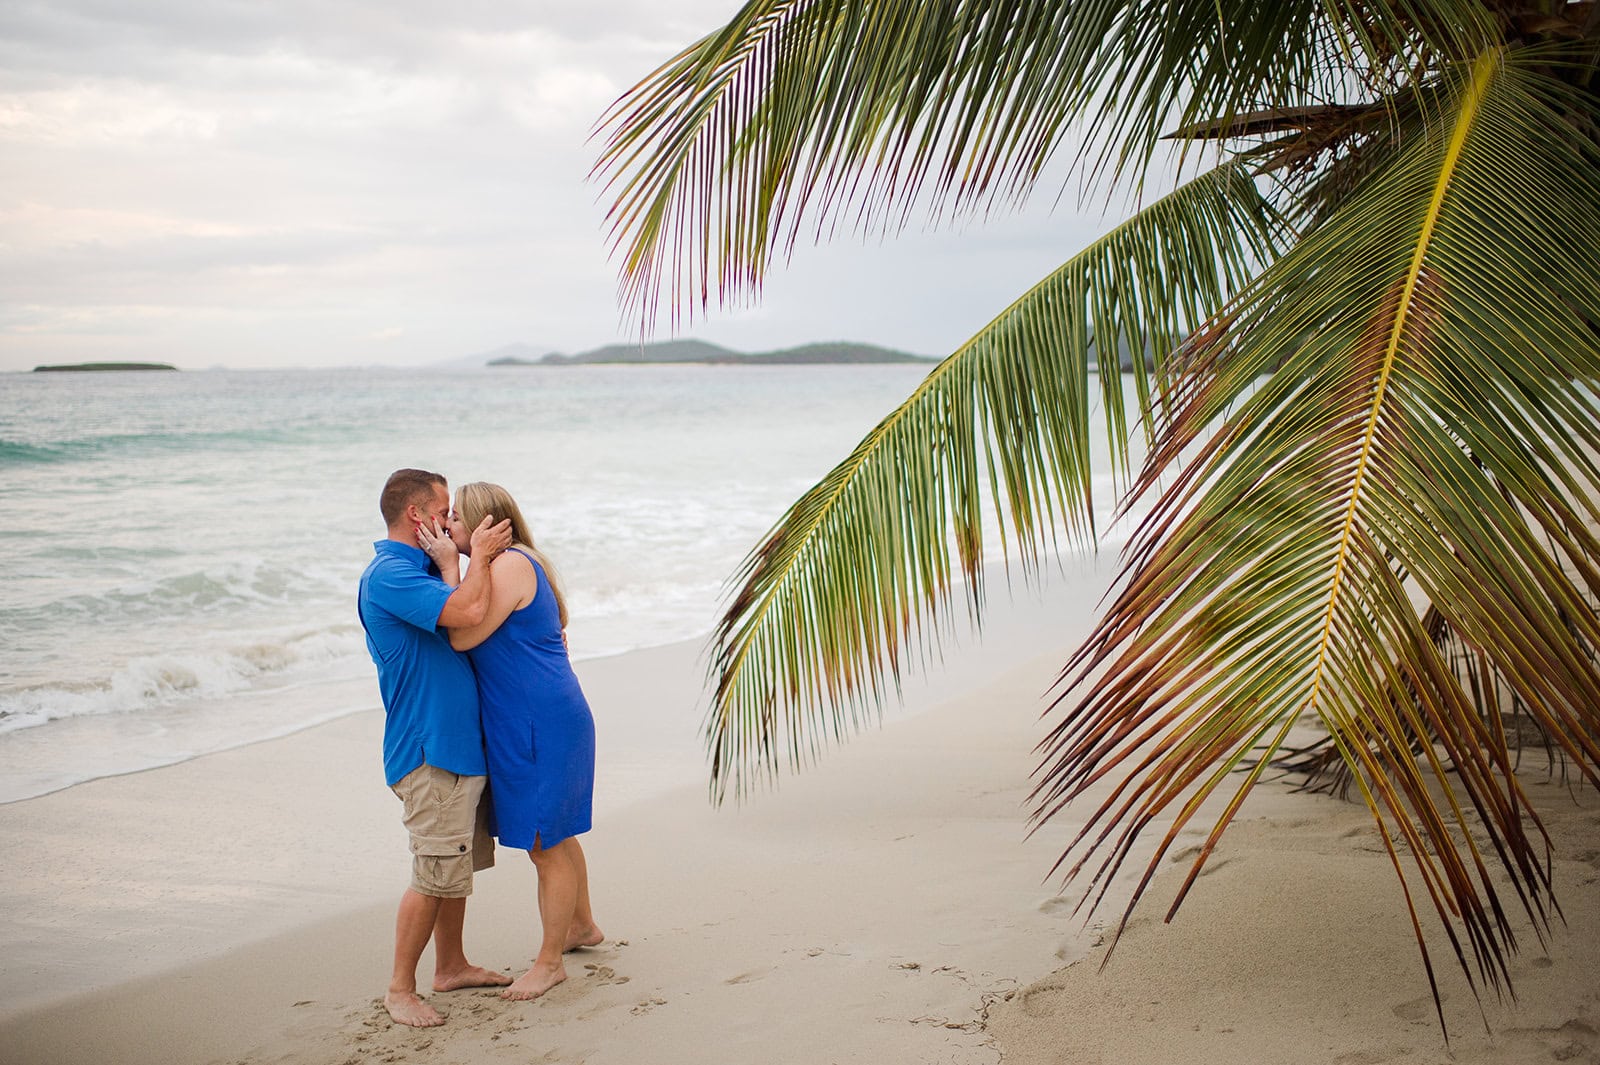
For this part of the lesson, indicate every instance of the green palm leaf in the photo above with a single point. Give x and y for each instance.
(864, 110)
(1407, 416)
(827, 603)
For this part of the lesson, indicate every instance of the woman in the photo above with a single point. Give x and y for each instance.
(537, 727)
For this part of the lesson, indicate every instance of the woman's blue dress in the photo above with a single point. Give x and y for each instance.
(537, 728)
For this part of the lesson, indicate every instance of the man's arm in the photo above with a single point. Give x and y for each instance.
(469, 603)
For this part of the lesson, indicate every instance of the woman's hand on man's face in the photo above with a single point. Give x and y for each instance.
(437, 543)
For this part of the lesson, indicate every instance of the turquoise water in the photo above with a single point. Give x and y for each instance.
(181, 550)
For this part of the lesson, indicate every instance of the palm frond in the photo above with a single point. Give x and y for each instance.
(863, 110)
(1400, 413)
(1320, 767)
(828, 603)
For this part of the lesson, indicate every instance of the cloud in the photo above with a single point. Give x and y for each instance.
(261, 183)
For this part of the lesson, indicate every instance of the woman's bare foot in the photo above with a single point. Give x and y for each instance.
(469, 976)
(535, 982)
(585, 937)
(406, 1008)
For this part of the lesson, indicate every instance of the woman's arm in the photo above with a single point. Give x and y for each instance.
(513, 584)
(469, 603)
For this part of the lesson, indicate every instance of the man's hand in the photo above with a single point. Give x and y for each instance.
(488, 541)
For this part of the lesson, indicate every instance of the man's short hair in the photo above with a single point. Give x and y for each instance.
(405, 487)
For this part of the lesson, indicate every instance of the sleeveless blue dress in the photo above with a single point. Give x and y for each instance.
(538, 732)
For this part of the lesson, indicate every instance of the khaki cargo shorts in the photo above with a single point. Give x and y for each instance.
(449, 825)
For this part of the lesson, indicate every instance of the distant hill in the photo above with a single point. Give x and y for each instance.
(103, 367)
(703, 353)
(660, 351)
(835, 352)
(518, 354)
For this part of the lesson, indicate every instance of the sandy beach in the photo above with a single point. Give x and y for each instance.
(885, 906)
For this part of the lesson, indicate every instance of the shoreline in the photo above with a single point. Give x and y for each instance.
(199, 726)
(372, 704)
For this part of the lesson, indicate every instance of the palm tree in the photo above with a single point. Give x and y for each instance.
(1364, 330)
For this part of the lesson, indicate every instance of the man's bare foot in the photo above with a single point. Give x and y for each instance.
(535, 982)
(469, 976)
(406, 1008)
(585, 937)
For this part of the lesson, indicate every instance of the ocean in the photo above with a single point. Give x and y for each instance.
(182, 549)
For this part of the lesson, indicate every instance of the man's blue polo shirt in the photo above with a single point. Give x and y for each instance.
(430, 695)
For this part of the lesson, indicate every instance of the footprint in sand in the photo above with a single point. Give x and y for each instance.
(1189, 854)
(1055, 904)
(1361, 1057)
(482, 1004)
(746, 977)
(1570, 1042)
(604, 974)
(1417, 1011)
(646, 1006)
(1040, 1000)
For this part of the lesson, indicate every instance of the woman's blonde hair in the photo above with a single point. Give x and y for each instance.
(480, 498)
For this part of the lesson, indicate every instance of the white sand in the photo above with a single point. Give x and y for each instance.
(882, 907)
(1295, 947)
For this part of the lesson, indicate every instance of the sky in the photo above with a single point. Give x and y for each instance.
(230, 183)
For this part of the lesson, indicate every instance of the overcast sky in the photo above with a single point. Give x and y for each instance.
(346, 182)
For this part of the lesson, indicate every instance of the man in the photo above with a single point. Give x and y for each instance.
(432, 738)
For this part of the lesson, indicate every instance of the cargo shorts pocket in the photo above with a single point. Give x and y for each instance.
(441, 866)
(442, 846)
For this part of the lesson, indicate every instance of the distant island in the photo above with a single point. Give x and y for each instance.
(103, 367)
(701, 353)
